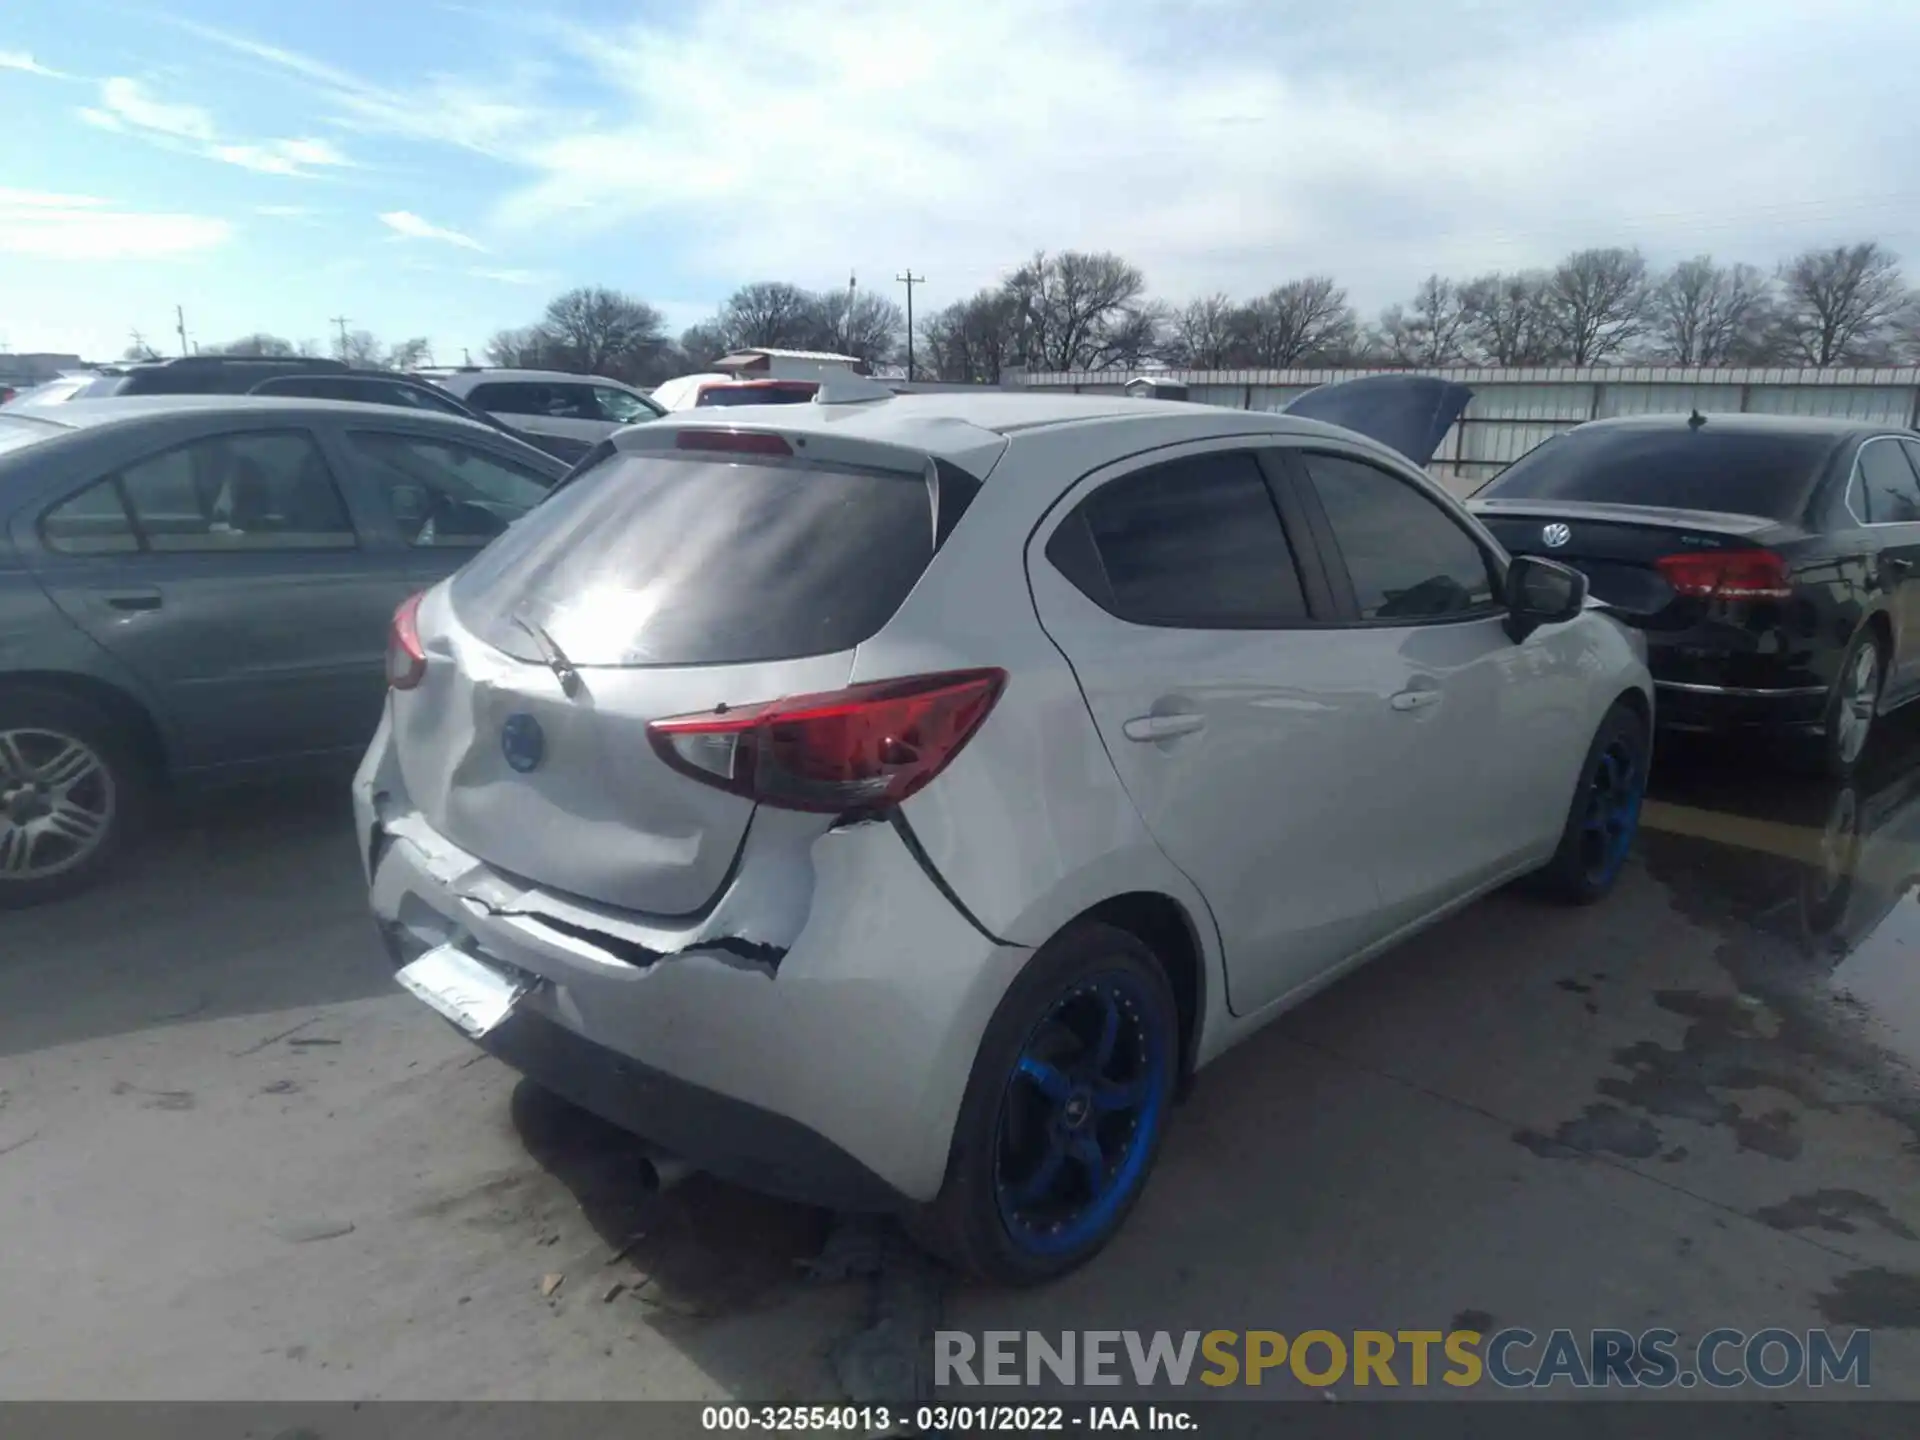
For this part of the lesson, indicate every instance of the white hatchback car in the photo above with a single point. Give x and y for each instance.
(889, 804)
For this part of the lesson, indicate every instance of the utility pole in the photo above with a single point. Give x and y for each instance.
(466, 356)
(341, 321)
(909, 279)
(180, 324)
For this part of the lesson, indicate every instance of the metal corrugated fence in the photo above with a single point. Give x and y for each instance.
(1514, 410)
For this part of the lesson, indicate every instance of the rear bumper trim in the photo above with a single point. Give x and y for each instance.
(1744, 692)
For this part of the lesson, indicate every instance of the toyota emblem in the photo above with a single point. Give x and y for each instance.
(1556, 535)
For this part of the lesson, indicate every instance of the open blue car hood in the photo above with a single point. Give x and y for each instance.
(1408, 413)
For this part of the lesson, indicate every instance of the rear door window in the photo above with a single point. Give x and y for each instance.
(1884, 489)
(1740, 472)
(94, 522)
(659, 560)
(1193, 544)
(260, 490)
(509, 398)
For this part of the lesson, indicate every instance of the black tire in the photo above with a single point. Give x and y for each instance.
(1604, 815)
(977, 1223)
(44, 736)
(1847, 727)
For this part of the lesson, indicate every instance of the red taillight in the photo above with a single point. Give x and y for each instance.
(406, 657)
(741, 442)
(1728, 574)
(860, 748)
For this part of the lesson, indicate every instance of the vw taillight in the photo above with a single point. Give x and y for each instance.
(1728, 574)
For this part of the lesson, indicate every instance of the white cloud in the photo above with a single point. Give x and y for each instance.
(85, 227)
(126, 107)
(1218, 145)
(22, 61)
(285, 212)
(407, 225)
(512, 277)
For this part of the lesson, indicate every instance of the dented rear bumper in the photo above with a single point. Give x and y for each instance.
(810, 1035)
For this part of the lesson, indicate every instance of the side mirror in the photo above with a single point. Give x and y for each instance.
(1541, 592)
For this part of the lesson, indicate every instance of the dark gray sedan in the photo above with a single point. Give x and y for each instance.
(197, 589)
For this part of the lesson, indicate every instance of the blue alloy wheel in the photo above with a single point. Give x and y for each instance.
(1080, 1112)
(1612, 810)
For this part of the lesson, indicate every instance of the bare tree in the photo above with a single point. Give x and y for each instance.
(771, 313)
(703, 344)
(361, 349)
(1431, 331)
(1074, 306)
(140, 351)
(593, 330)
(524, 348)
(1505, 318)
(1596, 301)
(410, 354)
(1839, 306)
(1706, 314)
(258, 344)
(1303, 322)
(973, 340)
(1207, 334)
(869, 329)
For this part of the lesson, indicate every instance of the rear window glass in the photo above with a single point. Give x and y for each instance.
(1738, 472)
(756, 394)
(650, 560)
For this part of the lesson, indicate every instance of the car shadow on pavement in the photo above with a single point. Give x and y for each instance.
(696, 1250)
(240, 902)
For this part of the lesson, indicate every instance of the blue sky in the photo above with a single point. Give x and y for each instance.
(442, 167)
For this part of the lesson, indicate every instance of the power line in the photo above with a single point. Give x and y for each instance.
(909, 279)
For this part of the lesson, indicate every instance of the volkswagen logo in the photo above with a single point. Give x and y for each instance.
(1556, 535)
(523, 743)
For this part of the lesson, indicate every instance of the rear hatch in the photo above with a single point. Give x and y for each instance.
(1643, 511)
(669, 582)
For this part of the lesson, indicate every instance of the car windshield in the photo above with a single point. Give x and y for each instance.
(1740, 472)
(649, 560)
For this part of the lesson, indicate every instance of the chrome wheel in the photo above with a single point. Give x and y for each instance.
(1859, 697)
(58, 803)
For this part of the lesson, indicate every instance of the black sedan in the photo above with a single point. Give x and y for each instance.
(1769, 560)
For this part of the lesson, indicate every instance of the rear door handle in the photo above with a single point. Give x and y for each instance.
(1896, 564)
(1162, 727)
(1416, 699)
(142, 599)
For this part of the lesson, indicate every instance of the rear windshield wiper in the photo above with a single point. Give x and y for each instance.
(555, 657)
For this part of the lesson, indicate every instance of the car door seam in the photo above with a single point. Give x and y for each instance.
(904, 829)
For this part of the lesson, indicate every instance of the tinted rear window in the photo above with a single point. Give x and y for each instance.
(1737, 472)
(757, 395)
(649, 560)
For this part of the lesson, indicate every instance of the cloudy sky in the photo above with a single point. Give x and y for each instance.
(442, 168)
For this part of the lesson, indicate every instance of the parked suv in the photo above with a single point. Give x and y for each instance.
(569, 414)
